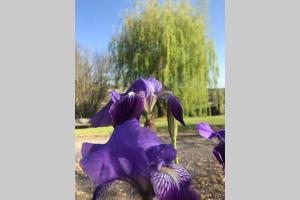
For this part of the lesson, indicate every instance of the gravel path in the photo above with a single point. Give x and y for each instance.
(195, 154)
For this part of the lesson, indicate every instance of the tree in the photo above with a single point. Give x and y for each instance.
(167, 41)
(91, 81)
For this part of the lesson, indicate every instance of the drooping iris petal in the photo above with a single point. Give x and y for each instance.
(102, 117)
(123, 156)
(219, 152)
(129, 155)
(128, 107)
(174, 105)
(172, 182)
(98, 163)
(204, 130)
(176, 108)
(221, 134)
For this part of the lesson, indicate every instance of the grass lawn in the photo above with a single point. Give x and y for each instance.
(161, 126)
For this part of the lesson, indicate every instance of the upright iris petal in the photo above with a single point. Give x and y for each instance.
(114, 96)
(135, 154)
(152, 90)
(149, 86)
(206, 131)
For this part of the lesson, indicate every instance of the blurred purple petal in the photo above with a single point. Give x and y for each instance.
(102, 117)
(219, 153)
(129, 106)
(122, 156)
(204, 130)
(129, 155)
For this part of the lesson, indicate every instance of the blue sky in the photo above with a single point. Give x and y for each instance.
(97, 20)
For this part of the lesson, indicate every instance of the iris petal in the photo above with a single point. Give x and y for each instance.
(156, 84)
(219, 153)
(129, 106)
(204, 130)
(149, 86)
(161, 155)
(99, 164)
(122, 157)
(173, 104)
(102, 117)
(172, 182)
(132, 154)
(114, 96)
(221, 134)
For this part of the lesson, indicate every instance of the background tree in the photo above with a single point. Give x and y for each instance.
(168, 41)
(92, 81)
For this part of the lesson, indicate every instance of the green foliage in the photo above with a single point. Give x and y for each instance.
(173, 130)
(168, 41)
(161, 124)
(217, 100)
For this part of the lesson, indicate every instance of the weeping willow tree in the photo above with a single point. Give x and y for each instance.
(167, 40)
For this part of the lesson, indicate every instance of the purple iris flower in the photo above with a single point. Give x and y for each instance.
(206, 131)
(125, 107)
(136, 155)
(152, 91)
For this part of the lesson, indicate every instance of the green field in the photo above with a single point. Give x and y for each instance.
(161, 126)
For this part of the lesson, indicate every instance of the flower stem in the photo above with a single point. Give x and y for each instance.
(150, 123)
(173, 130)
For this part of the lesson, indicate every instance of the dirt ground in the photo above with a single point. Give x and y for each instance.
(195, 154)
